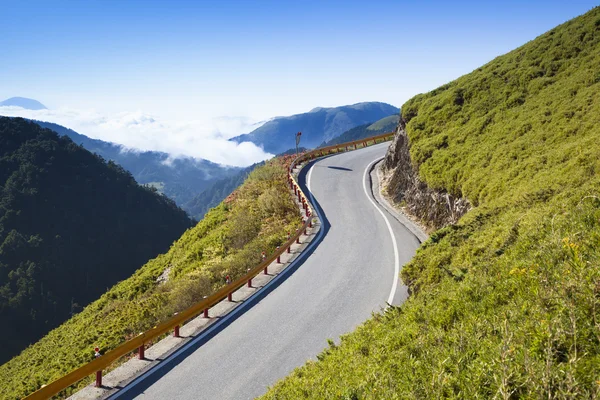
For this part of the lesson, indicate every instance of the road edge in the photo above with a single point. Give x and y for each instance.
(374, 175)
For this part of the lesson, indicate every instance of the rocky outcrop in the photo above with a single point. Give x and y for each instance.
(433, 208)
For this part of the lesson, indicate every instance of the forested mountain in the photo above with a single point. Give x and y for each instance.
(71, 225)
(180, 179)
(384, 125)
(505, 300)
(318, 125)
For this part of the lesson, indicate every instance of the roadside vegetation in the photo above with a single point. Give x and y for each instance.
(254, 218)
(505, 303)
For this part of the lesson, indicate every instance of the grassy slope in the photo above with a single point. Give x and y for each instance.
(507, 302)
(229, 240)
(385, 123)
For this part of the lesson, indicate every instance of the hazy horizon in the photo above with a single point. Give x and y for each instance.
(186, 76)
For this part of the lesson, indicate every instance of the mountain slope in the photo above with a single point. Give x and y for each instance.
(71, 225)
(180, 179)
(317, 126)
(228, 241)
(506, 300)
(384, 125)
(215, 193)
(23, 102)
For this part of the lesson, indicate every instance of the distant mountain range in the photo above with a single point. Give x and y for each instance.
(180, 179)
(317, 126)
(196, 185)
(23, 102)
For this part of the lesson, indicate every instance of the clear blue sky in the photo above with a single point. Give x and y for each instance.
(258, 59)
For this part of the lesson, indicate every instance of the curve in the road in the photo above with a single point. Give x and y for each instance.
(390, 230)
(341, 282)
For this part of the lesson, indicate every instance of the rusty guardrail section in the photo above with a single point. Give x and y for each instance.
(138, 343)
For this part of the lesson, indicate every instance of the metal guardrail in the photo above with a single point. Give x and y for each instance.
(336, 148)
(138, 343)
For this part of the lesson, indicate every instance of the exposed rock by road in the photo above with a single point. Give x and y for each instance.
(433, 208)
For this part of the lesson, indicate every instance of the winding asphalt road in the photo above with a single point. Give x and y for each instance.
(349, 274)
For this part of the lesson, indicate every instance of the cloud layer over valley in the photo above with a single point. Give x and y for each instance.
(206, 139)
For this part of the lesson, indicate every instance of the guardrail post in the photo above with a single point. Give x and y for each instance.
(250, 282)
(176, 331)
(141, 352)
(99, 378)
(229, 296)
(206, 313)
(309, 221)
(354, 146)
(298, 238)
(279, 256)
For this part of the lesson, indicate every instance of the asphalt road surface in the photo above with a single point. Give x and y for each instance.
(350, 273)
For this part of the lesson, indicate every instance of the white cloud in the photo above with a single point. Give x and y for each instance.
(206, 139)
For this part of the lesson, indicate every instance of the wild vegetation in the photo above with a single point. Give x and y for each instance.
(71, 225)
(228, 241)
(506, 302)
(216, 192)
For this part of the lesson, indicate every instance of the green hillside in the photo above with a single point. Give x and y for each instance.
(506, 303)
(71, 225)
(229, 240)
(216, 192)
(384, 125)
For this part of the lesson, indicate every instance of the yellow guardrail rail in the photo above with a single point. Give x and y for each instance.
(101, 363)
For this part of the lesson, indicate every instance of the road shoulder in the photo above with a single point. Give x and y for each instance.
(376, 179)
